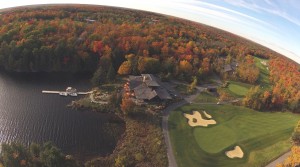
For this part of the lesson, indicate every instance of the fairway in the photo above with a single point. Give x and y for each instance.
(238, 89)
(264, 75)
(261, 136)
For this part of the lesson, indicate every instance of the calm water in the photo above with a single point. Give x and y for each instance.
(27, 115)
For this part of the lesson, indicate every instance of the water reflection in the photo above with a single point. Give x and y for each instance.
(27, 115)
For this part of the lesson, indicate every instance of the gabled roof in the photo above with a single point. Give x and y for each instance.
(163, 94)
(146, 87)
(227, 68)
(151, 83)
(150, 80)
(134, 81)
(144, 92)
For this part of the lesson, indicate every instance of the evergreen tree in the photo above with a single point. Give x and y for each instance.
(97, 77)
(111, 73)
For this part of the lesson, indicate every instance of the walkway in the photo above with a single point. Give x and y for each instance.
(279, 160)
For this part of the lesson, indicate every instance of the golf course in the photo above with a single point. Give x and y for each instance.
(262, 136)
(238, 89)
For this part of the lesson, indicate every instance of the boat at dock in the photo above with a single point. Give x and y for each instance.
(63, 93)
(69, 92)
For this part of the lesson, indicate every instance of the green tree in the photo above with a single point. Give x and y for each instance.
(111, 73)
(15, 155)
(148, 65)
(97, 77)
(35, 149)
(52, 156)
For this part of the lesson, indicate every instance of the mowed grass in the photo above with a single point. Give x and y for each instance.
(238, 89)
(205, 97)
(262, 136)
(264, 74)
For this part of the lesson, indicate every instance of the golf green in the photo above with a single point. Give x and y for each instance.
(221, 137)
(262, 136)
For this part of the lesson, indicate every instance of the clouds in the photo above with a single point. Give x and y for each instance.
(288, 9)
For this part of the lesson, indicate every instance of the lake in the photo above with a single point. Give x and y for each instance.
(27, 115)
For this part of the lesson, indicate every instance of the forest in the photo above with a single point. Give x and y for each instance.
(110, 41)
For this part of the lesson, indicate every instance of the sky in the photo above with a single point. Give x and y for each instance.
(272, 23)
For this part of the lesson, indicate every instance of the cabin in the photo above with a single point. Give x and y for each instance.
(230, 68)
(146, 87)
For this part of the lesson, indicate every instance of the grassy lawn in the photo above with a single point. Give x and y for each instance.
(183, 89)
(264, 75)
(262, 136)
(205, 97)
(238, 89)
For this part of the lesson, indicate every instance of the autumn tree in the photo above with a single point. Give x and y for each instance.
(125, 68)
(193, 85)
(127, 105)
(293, 159)
(296, 135)
(185, 67)
(253, 98)
(148, 65)
(205, 66)
(247, 70)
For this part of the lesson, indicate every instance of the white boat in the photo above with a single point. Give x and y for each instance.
(73, 94)
(63, 93)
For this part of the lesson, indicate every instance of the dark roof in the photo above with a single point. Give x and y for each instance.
(144, 92)
(134, 81)
(163, 94)
(151, 83)
(234, 65)
(146, 87)
(150, 79)
(227, 68)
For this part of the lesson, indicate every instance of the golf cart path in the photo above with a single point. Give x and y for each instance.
(279, 160)
(166, 112)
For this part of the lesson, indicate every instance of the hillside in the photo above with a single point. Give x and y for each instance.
(110, 40)
(73, 38)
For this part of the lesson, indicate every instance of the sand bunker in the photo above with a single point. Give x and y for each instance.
(235, 153)
(207, 115)
(196, 119)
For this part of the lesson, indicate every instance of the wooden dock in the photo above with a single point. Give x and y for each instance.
(64, 92)
(53, 92)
